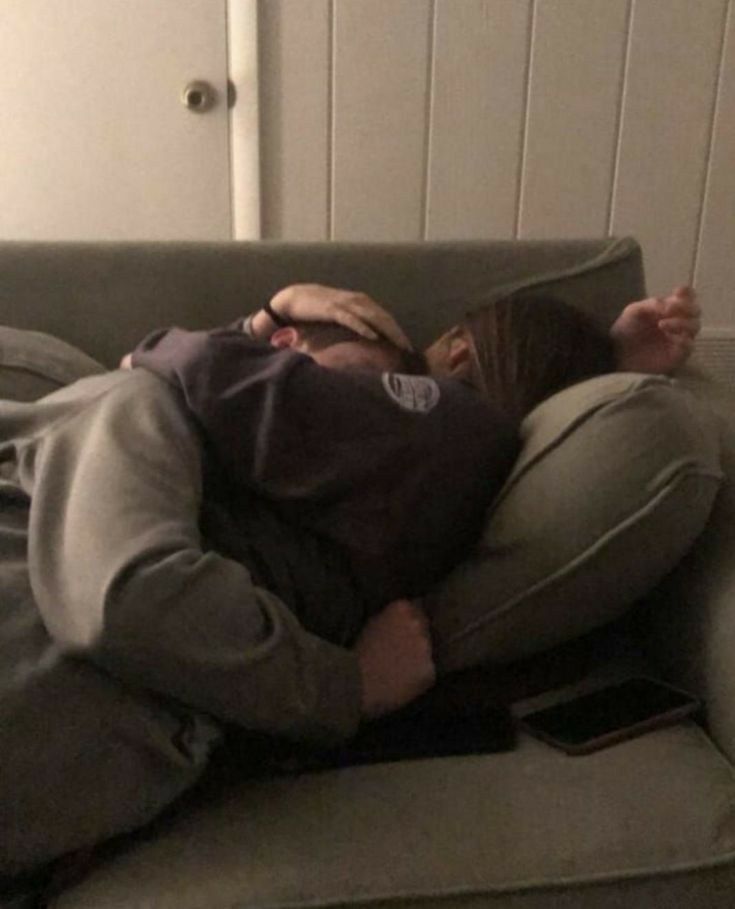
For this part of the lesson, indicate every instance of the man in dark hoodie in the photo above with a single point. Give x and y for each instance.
(321, 437)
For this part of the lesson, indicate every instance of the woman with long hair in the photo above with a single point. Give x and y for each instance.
(521, 349)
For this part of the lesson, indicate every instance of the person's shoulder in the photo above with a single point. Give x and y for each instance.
(225, 348)
(138, 387)
(414, 393)
(443, 399)
(114, 406)
(467, 409)
(458, 395)
(142, 408)
(136, 397)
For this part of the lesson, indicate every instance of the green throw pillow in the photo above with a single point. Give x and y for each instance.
(616, 479)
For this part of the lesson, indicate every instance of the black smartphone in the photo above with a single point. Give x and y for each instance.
(609, 715)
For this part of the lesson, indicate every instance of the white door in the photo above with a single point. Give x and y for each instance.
(95, 141)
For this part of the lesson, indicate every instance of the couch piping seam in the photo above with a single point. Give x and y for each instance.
(526, 886)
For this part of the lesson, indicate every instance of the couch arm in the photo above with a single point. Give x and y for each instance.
(689, 627)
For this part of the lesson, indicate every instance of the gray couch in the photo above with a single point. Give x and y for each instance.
(650, 822)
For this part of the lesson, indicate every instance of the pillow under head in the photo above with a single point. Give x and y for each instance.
(616, 479)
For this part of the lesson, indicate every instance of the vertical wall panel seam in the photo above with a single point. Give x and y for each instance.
(714, 119)
(331, 92)
(621, 117)
(243, 119)
(526, 112)
(230, 155)
(428, 119)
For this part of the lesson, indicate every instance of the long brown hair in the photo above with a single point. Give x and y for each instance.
(529, 346)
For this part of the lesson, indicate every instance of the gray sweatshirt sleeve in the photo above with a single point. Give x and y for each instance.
(120, 576)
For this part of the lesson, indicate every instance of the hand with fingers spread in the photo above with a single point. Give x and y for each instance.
(319, 303)
(657, 334)
(394, 653)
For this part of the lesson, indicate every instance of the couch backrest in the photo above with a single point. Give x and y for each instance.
(103, 297)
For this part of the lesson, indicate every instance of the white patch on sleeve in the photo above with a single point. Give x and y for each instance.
(416, 393)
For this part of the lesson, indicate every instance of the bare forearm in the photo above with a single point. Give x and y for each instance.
(318, 303)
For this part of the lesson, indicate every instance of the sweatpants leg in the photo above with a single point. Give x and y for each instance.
(84, 759)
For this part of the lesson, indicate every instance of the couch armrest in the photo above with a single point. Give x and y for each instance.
(689, 623)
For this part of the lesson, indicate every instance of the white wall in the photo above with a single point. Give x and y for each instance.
(444, 119)
(95, 142)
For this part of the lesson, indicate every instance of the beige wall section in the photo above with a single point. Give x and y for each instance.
(667, 119)
(573, 102)
(381, 64)
(294, 54)
(715, 269)
(410, 119)
(244, 118)
(483, 133)
(96, 144)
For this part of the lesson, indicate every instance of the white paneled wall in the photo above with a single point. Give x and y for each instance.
(380, 89)
(668, 103)
(476, 120)
(714, 272)
(462, 119)
(295, 139)
(574, 89)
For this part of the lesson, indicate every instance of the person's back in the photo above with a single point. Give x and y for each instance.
(336, 482)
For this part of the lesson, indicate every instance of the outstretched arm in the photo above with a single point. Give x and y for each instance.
(319, 303)
(657, 334)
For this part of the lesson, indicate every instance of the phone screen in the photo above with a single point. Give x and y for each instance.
(607, 710)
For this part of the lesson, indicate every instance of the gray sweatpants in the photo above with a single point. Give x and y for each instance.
(84, 757)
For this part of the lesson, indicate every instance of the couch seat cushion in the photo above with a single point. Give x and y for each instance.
(448, 831)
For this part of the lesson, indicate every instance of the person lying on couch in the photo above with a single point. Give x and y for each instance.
(328, 449)
(122, 603)
(386, 527)
(230, 383)
(130, 633)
